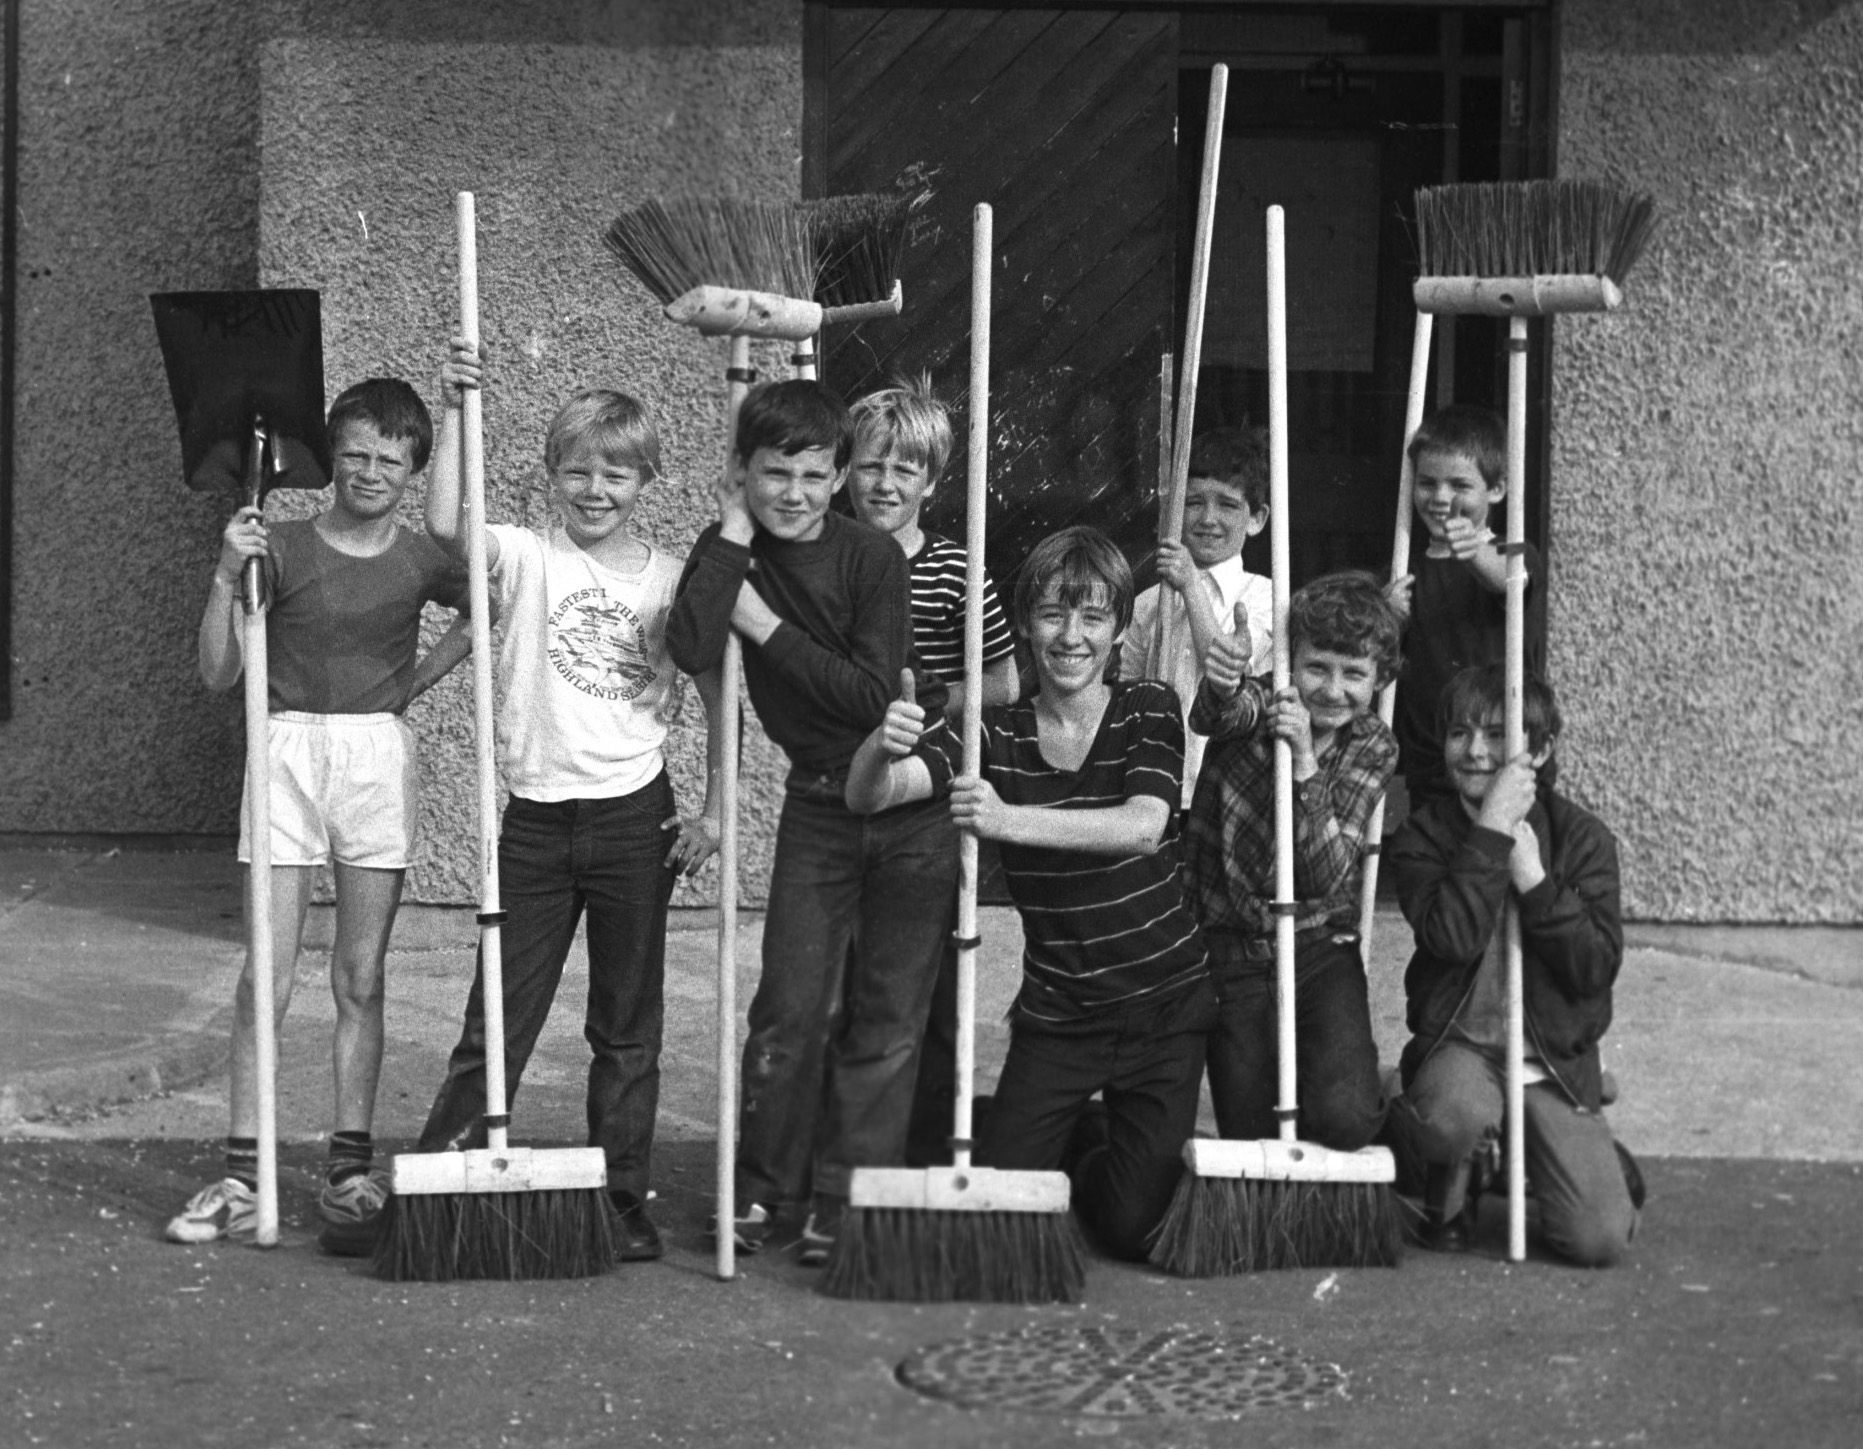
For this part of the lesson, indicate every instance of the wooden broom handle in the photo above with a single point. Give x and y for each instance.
(1514, 718)
(1171, 507)
(976, 498)
(1288, 1085)
(1400, 564)
(478, 584)
(259, 847)
(730, 714)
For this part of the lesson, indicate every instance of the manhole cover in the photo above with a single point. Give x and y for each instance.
(1178, 1373)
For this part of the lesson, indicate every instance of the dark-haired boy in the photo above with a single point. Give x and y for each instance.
(1343, 636)
(343, 635)
(857, 907)
(1453, 599)
(1507, 835)
(1079, 788)
(1202, 586)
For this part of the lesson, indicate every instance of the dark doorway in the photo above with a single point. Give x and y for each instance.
(1083, 126)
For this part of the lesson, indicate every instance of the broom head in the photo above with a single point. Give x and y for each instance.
(1528, 248)
(1245, 1207)
(860, 241)
(504, 1213)
(957, 1234)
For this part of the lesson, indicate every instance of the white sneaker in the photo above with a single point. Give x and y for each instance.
(224, 1209)
(351, 1211)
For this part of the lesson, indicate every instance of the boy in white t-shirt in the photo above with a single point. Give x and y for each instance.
(1201, 579)
(587, 690)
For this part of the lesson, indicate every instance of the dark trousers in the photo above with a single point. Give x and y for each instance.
(1147, 1065)
(556, 859)
(859, 906)
(1335, 1058)
(1458, 1097)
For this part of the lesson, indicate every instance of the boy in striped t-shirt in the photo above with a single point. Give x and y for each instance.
(1079, 788)
(902, 440)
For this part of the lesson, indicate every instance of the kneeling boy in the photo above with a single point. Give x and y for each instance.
(1456, 862)
(1079, 787)
(1344, 641)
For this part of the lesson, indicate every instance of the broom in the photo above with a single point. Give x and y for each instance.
(960, 1233)
(496, 1211)
(1171, 504)
(1400, 562)
(859, 241)
(1245, 1206)
(1523, 249)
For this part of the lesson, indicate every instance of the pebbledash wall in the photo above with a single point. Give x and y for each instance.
(1705, 529)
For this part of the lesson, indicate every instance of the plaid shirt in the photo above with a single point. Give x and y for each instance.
(1229, 834)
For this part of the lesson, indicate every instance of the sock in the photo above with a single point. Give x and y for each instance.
(350, 1155)
(242, 1160)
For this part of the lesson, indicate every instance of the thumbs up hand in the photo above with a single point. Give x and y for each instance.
(1225, 663)
(905, 719)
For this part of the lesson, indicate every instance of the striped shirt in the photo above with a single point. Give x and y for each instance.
(1100, 933)
(938, 611)
(1229, 833)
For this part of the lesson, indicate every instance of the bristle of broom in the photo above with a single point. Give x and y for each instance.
(913, 1255)
(1532, 228)
(1218, 1226)
(859, 242)
(440, 1237)
(673, 246)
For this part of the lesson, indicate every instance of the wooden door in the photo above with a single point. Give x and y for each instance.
(1064, 122)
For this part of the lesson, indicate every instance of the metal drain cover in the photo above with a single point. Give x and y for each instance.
(1178, 1373)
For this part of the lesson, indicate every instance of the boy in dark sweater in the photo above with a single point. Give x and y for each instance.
(1456, 862)
(1079, 787)
(857, 907)
(1453, 600)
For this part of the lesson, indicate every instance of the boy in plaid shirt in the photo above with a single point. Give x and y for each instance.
(1344, 640)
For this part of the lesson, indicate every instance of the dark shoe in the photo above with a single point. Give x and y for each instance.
(634, 1230)
(1442, 1232)
(750, 1230)
(1633, 1176)
(818, 1233)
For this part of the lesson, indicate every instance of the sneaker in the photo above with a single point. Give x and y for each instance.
(639, 1239)
(818, 1233)
(750, 1230)
(352, 1214)
(224, 1209)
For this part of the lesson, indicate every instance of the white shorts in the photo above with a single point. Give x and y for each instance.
(343, 786)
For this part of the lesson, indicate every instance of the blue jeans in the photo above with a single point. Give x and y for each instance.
(1147, 1065)
(556, 858)
(1335, 1057)
(859, 906)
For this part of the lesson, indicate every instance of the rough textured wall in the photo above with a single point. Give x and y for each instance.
(557, 117)
(138, 173)
(1707, 632)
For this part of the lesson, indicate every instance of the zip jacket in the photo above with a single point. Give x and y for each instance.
(1452, 881)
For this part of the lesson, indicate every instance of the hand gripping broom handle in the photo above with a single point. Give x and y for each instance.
(738, 378)
(1171, 506)
(976, 498)
(1288, 1104)
(259, 847)
(1514, 718)
(1400, 562)
(472, 501)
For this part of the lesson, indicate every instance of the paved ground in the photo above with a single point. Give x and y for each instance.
(1738, 1320)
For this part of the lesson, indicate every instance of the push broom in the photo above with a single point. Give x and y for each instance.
(742, 269)
(245, 371)
(1523, 249)
(957, 1233)
(498, 1211)
(1246, 1206)
(1400, 563)
(1171, 504)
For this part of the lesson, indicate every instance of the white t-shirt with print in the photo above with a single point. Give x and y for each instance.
(587, 683)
